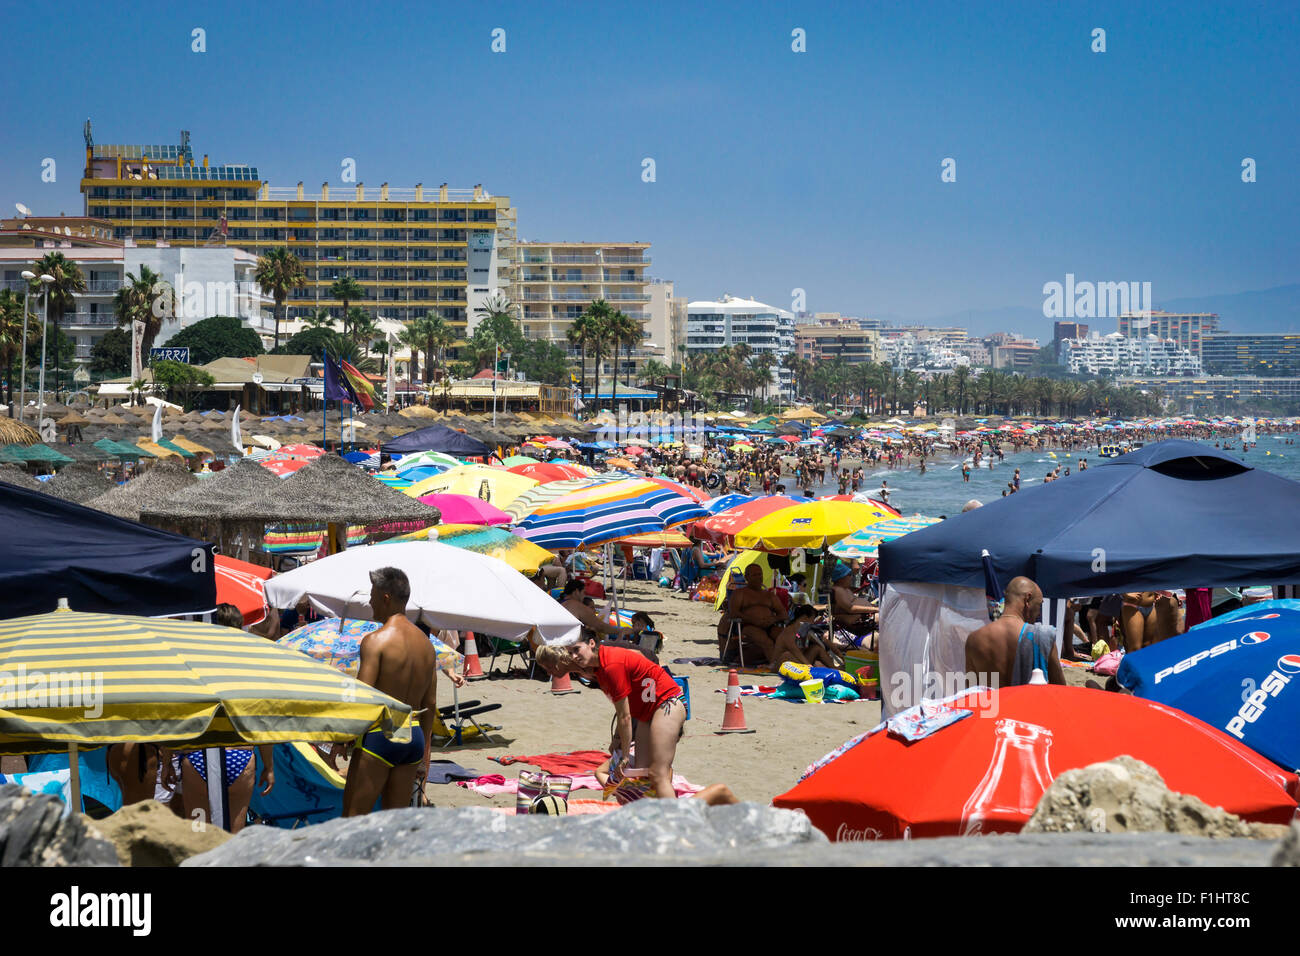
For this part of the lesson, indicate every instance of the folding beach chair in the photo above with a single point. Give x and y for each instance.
(457, 715)
(735, 628)
(512, 649)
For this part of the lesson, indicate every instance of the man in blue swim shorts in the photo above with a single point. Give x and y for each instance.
(398, 660)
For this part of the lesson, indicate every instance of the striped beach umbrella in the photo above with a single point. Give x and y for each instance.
(863, 545)
(546, 472)
(519, 553)
(723, 526)
(606, 512)
(539, 495)
(90, 680)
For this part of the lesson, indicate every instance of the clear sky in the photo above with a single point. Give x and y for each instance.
(775, 170)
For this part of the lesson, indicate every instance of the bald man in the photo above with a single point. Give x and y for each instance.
(997, 647)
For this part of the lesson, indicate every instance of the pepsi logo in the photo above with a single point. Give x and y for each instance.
(1289, 663)
(1255, 637)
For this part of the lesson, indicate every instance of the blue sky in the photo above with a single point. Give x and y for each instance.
(775, 170)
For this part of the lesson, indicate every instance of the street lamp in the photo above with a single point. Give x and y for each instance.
(45, 321)
(22, 384)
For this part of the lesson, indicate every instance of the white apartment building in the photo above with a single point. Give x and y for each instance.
(1118, 354)
(734, 321)
(208, 281)
(554, 283)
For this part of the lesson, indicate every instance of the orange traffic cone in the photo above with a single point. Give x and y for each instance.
(733, 713)
(563, 685)
(473, 669)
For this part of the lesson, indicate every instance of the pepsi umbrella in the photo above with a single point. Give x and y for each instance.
(1234, 672)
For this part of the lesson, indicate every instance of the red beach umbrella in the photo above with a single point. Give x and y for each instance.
(722, 527)
(545, 472)
(243, 585)
(986, 773)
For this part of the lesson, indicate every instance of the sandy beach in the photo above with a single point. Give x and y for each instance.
(788, 736)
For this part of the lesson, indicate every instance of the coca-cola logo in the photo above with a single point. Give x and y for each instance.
(846, 834)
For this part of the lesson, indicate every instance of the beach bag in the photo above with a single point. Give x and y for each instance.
(536, 784)
(1108, 664)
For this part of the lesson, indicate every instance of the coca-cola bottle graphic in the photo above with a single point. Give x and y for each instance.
(1017, 775)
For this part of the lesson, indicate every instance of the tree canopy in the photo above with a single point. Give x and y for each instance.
(217, 337)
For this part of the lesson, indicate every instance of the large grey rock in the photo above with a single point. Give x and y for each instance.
(686, 833)
(650, 831)
(34, 832)
(1125, 795)
(1288, 852)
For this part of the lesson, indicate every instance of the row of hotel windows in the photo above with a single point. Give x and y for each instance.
(396, 237)
(449, 312)
(265, 210)
(389, 294)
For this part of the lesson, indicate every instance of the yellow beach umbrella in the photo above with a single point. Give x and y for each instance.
(814, 524)
(74, 679)
(191, 446)
(494, 485)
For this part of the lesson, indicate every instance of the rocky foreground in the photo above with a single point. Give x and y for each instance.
(1117, 813)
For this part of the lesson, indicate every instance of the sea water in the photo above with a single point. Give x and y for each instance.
(940, 491)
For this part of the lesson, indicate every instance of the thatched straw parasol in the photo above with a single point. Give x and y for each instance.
(226, 495)
(72, 418)
(111, 419)
(13, 475)
(15, 432)
(328, 489)
(79, 483)
(418, 411)
(158, 483)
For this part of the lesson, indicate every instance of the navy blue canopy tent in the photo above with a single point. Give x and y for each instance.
(436, 438)
(54, 548)
(1171, 514)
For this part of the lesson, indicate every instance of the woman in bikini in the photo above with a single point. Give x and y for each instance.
(648, 706)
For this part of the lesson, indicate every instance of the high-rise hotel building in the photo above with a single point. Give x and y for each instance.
(415, 251)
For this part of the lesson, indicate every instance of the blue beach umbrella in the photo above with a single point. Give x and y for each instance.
(1235, 673)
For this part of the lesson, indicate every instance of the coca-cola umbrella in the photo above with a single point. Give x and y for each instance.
(985, 773)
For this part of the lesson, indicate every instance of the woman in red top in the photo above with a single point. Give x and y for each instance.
(642, 691)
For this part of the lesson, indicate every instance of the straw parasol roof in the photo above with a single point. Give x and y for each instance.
(16, 433)
(86, 451)
(13, 475)
(225, 496)
(79, 483)
(111, 419)
(328, 489)
(158, 483)
(72, 418)
(418, 411)
(191, 446)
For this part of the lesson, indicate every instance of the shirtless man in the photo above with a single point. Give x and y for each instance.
(572, 601)
(992, 649)
(760, 613)
(398, 660)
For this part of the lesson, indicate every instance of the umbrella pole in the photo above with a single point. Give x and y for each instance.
(218, 798)
(74, 767)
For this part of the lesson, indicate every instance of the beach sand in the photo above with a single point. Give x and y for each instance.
(788, 736)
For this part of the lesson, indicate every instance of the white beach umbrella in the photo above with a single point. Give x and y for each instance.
(450, 588)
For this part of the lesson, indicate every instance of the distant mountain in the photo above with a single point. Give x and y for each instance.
(1264, 310)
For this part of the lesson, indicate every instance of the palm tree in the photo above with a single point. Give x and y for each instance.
(143, 299)
(68, 281)
(438, 337)
(412, 338)
(279, 272)
(11, 338)
(598, 318)
(623, 331)
(579, 334)
(363, 328)
(961, 377)
(319, 319)
(347, 290)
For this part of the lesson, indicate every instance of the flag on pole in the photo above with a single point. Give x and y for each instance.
(364, 391)
(236, 438)
(337, 386)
